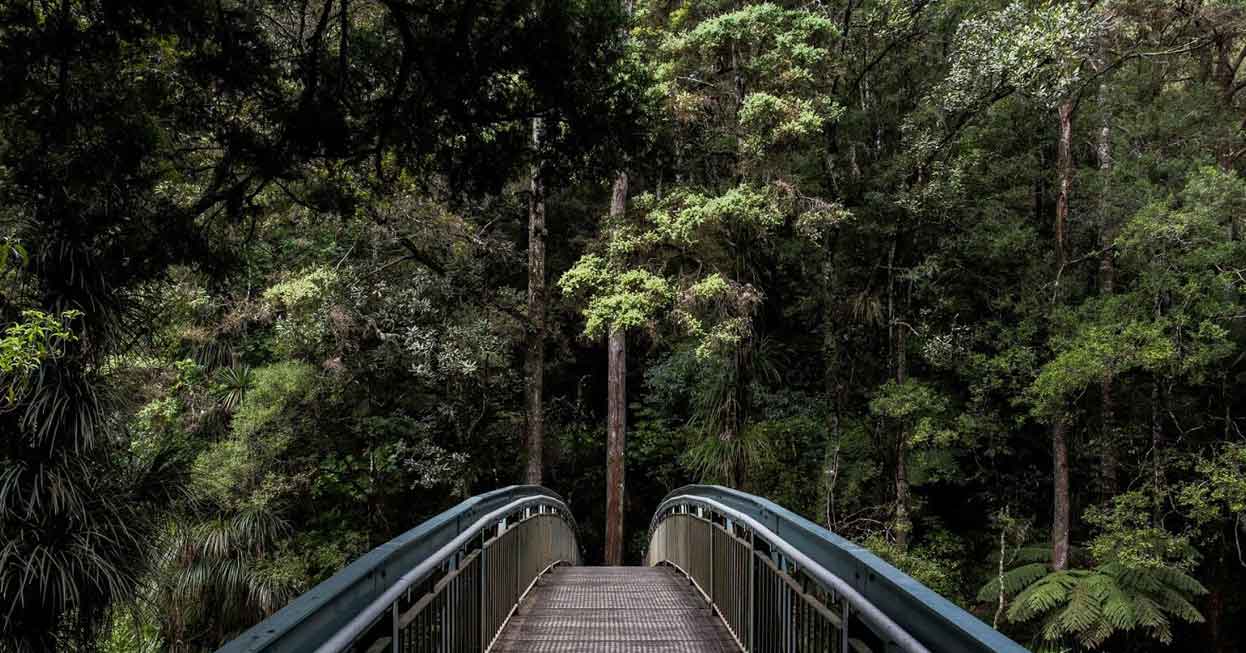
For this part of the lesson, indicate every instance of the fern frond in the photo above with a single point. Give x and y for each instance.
(1043, 596)
(1118, 609)
(1180, 581)
(1033, 554)
(1014, 581)
(1151, 617)
(1174, 603)
(1094, 636)
(1083, 608)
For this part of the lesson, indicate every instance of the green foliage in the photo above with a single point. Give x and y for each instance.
(232, 384)
(774, 84)
(1217, 492)
(277, 388)
(618, 299)
(262, 288)
(1089, 606)
(919, 406)
(231, 558)
(1036, 48)
(1129, 535)
(305, 291)
(934, 564)
(25, 346)
(714, 459)
(1095, 352)
(1136, 580)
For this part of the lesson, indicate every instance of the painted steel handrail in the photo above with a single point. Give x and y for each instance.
(334, 613)
(898, 609)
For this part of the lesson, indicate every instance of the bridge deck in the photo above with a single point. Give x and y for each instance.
(614, 610)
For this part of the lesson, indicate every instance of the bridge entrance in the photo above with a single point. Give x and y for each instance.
(726, 571)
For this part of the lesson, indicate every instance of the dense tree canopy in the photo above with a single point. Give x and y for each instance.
(962, 281)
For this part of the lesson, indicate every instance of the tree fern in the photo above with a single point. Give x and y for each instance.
(1084, 608)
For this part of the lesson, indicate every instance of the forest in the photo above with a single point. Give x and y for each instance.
(963, 281)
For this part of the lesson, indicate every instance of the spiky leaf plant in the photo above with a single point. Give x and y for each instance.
(232, 385)
(219, 576)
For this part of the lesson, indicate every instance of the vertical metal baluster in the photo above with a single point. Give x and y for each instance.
(713, 533)
(456, 612)
(393, 617)
(843, 626)
(420, 628)
(752, 600)
(480, 601)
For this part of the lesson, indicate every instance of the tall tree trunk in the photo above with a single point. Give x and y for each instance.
(534, 356)
(1061, 519)
(616, 428)
(1061, 510)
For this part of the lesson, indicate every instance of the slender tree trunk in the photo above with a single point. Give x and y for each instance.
(830, 380)
(616, 429)
(1157, 447)
(615, 447)
(1062, 511)
(1061, 519)
(904, 522)
(1064, 168)
(534, 356)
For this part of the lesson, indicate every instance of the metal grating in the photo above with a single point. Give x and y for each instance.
(614, 610)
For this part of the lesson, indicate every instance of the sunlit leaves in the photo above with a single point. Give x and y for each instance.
(1033, 48)
(27, 344)
(617, 299)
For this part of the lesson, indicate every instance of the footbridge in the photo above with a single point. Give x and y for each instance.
(724, 571)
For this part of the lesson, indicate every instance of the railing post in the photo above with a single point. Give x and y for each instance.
(752, 590)
(843, 630)
(785, 604)
(484, 593)
(713, 571)
(446, 608)
(393, 617)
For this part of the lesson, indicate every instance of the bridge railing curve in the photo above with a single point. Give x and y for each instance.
(784, 584)
(449, 584)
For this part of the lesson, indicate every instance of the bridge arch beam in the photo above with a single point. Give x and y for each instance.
(783, 583)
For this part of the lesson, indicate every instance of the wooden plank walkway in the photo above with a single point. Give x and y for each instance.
(614, 610)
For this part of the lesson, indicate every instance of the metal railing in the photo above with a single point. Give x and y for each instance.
(449, 585)
(783, 584)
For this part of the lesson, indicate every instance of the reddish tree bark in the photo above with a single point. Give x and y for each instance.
(616, 426)
(1061, 514)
